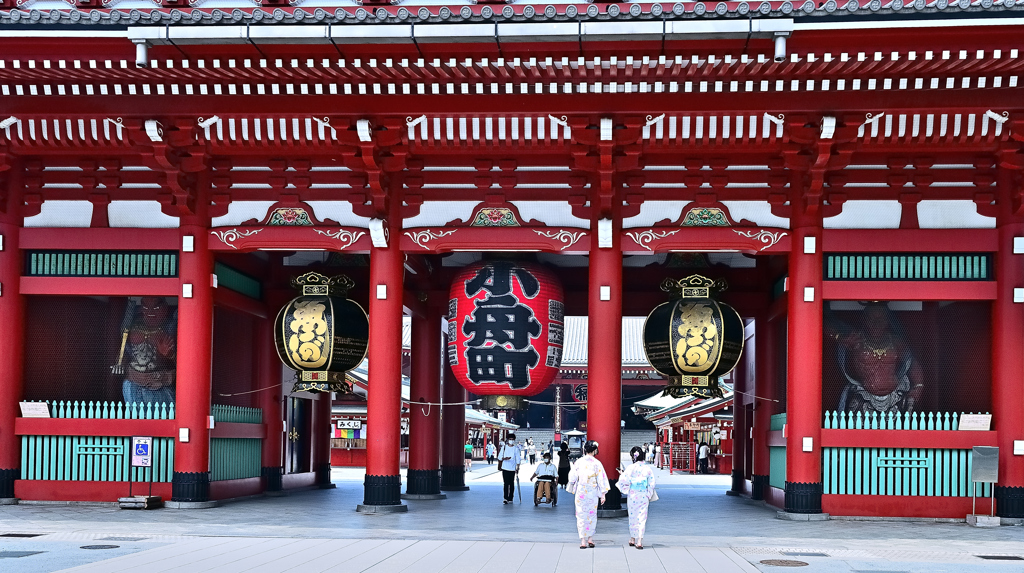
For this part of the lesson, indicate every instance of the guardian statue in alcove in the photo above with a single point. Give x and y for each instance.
(877, 363)
(148, 355)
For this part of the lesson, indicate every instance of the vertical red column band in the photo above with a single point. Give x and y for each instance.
(269, 399)
(425, 421)
(803, 393)
(12, 333)
(764, 403)
(322, 433)
(604, 355)
(453, 434)
(741, 426)
(191, 482)
(384, 396)
(1008, 372)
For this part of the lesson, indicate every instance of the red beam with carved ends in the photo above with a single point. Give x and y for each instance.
(244, 239)
(566, 241)
(752, 240)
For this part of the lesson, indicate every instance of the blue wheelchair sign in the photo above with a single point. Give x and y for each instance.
(142, 452)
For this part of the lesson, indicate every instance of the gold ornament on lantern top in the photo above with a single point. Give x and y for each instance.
(694, 339)
(322, 334)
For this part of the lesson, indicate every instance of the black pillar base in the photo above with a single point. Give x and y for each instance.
(739, 481)
(803, 497)
(323, 475)
(273, 479)
(190, 486)
(382, 490)
(7, 479)
(453, 478)
(1009, 501)
(423, 482)
(758, 484)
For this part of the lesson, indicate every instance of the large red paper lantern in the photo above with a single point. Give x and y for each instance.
(506, 324)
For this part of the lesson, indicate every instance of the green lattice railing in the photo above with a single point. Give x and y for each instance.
(101, 264)
(892, 421)
(909, 267)
(240, 414)
(97, 458)
(111, 410)
(235, 458)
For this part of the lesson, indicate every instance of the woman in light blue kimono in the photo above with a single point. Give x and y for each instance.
(588, 483)
(637, 483)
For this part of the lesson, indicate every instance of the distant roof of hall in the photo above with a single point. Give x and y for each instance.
(662, 18)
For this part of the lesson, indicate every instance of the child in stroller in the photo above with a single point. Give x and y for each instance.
(544, 490)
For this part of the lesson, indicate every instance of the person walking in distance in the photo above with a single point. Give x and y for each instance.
(491, 452)
(702, 457)
(531, 450)
(588, 482)
(508, 462)
(563, 464)
(637, 483)
(469, 456)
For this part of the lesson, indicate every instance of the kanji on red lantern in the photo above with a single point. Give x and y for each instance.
(505, 328)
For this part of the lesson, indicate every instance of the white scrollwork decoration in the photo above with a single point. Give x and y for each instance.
(421, 238)
(768, 238)
(562, 236)
(229, 236)
(645, 238)
(347, 238)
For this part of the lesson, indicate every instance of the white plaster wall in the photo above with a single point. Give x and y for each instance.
(867, 215)
(139, 214)
(62, 214)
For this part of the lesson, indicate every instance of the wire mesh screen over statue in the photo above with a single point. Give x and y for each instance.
(907, 356)
(101, 349)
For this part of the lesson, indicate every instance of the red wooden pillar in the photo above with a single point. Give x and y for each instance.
(424, 476)
(764, 392)
(604, 351)
(322, 433)
(803, 394)
(269, 380)
(191, 481)
(12, 333)
(1008, 370)
(383, 486)
(740, 426)
(453, 434)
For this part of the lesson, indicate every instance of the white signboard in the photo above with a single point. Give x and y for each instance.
(976, 422)
(502, 416)
(142, 452)
(34, 410)
(350, 425)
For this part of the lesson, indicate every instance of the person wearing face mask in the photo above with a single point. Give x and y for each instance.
(508, 462)
(545, 476)
(588, 483)
(637, 483)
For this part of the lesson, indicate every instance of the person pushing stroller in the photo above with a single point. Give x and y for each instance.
(545, 474)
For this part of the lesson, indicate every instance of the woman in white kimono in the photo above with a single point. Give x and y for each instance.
(588, 483)
(637, 483)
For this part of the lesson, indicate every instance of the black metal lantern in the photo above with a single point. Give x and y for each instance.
(322, 334)
(693, 339)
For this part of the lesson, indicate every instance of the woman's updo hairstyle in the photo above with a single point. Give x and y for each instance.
(590, 447)
(636, 453)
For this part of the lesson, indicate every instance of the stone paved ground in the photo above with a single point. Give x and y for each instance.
(693, 528)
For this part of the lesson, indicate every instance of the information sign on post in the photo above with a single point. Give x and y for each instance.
(984, 469)
(142, 452)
